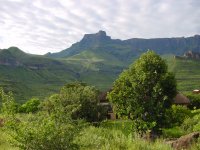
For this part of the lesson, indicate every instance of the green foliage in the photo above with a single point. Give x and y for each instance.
(144, 92)
(194, 100)
(4, 144)
(104, 139)
(126, 126)
(81, 98)
(189, 123)
(192, 124)
(31, 105)
(42, 132)
(9, 106)
(176, 115)
(174, 132)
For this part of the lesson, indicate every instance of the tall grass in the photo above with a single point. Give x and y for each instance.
(4, 143)
(109, 139)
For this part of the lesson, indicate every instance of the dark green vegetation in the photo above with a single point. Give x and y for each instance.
(144, 92)
(96, 60)
(82, 98)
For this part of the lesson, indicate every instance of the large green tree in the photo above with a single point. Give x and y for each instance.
(144, 91)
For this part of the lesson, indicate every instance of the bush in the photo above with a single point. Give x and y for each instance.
(192, 124)
(40, 132)
(176, 115)
(82, 98)
(31, 105)
(194, 100)
(9, 105)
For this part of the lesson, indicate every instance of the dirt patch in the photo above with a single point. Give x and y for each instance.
(184, 142)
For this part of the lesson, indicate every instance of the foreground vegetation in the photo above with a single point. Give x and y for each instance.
(74, 119)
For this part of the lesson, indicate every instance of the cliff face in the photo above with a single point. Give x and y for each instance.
(100, 41)
(192, 55)
(14, 57)
(10, 62)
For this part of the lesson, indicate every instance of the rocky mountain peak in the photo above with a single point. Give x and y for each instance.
(96, 37)
(101, 33)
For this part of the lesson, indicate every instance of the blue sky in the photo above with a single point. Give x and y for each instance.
(41, 26)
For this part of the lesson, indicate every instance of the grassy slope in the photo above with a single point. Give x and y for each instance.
(26, 82)
(187, 73)
(99, 68)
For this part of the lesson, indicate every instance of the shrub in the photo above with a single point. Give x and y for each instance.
(176, 115)
(9, 105)
(194, 100)
(41, 132)
(31, 105)
(192, 124)
(81, 98)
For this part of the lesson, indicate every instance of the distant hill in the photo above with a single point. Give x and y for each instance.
(97, 60)
(32, 75)
(29, 75)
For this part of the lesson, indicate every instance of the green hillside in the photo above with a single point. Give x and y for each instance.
(187, 72)
(33, 75)
(99, 69)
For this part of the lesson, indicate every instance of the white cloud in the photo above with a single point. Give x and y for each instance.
(40, 26)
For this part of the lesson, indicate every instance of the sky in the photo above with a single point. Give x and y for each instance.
(41, 26)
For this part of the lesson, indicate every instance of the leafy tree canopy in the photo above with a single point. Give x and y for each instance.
(79, 99)
(144, 91)
(31, 105)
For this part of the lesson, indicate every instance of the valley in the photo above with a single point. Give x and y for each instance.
(96, 60)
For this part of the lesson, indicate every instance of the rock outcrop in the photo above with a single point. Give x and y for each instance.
(184, 142)
(10, 62)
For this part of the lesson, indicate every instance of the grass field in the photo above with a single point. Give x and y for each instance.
(187, 73)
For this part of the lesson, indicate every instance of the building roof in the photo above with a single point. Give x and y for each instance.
(181, 99)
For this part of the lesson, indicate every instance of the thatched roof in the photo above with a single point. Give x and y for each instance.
(181, 99)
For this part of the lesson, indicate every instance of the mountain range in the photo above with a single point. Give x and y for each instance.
(121, 48)
(97, 59)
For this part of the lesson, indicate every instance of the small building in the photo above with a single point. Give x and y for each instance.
(180, 99)
(196, 91)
